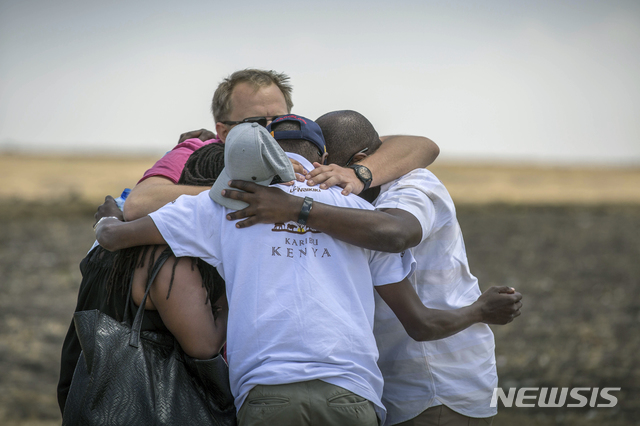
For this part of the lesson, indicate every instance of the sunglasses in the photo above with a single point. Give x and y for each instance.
(260, 120)
(353, 156)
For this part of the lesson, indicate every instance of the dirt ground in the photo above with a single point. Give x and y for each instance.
(576, 264)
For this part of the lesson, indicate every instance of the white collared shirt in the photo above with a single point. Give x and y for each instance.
(458, 371)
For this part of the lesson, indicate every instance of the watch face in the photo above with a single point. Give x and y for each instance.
(364, 173)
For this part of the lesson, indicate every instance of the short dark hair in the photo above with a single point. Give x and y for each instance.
(346, 132)
(297, 146)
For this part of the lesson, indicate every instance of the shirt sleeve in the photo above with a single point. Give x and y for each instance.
(190, 226)
(390, 268)
(410, 193)
(171, 164)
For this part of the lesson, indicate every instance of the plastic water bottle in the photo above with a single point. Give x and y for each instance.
(122, 197)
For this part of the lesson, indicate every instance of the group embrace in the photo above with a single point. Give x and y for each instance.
(324, 263)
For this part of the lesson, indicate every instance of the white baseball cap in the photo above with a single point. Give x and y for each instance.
(251, 154)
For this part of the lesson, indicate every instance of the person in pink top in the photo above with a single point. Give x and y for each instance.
(170, 166)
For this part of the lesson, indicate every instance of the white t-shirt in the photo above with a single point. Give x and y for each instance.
(458, 371)
(301, 303)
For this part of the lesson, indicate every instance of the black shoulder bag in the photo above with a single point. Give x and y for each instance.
(128, 377)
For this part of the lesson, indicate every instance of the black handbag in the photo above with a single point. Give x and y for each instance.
(128, 377)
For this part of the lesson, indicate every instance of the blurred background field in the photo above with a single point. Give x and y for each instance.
(567, 238)
(86, 180)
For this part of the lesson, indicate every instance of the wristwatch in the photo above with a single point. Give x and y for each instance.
(362, 173)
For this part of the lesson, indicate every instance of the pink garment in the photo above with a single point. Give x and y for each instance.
(170, 166)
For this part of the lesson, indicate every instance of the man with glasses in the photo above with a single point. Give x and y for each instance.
(254, 96)
(258, 96)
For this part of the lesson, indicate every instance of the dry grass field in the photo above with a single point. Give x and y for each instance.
(568, 239)
(87, 180)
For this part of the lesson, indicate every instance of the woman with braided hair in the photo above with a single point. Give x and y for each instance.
(187, 298)
(195, 311)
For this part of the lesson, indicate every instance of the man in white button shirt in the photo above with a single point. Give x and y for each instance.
(448, 381)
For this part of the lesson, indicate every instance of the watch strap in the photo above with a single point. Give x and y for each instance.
(357, 168)
(307, 204)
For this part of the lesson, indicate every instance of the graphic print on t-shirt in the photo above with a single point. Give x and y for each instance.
(295, 247)
(293, 227)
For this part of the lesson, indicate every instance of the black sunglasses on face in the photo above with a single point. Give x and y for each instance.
(353, 156)
(263, 121)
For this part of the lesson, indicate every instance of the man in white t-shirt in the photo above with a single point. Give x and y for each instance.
(448, 381)
(300, 302)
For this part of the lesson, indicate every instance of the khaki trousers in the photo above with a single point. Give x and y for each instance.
(305, 403)
(441, 415)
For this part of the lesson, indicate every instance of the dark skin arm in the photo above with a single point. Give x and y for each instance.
(200, 332)
(202, 134)
(113, 234)
(391, 230)
(108, 208)
(497, 305)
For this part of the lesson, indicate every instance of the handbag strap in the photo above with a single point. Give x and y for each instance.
(127, 306)
(134, 340)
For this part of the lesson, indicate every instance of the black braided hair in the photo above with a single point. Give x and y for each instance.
(201, 169)
(203, 166)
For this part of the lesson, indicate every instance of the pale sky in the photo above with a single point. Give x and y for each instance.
(551, 82)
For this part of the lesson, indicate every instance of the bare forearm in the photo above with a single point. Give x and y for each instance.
(398, 155)
(114, 235)
(370, 229)
(497, 305)
(438, 324)
(153, 193)
(393, 230)
(422, 323)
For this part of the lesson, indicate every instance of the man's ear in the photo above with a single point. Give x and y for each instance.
(359, 157)
(323, 160)
(222, 130)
